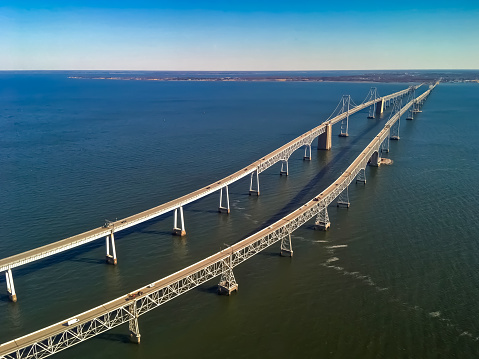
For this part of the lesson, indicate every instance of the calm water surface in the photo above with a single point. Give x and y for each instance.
(397, 275)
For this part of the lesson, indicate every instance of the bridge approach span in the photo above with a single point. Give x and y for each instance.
(281, 154)
(128, 308)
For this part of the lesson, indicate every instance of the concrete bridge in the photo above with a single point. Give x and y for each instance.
(128, 308)
(323, 132)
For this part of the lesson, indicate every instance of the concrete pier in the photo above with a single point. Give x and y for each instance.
(135, 338)
(111, 260)
(179, 232)
(322, 226)
(10, 286)
(380, 107)
(111, 250)
(225, 288)
(375, 160)
(286, 252)
(324, 139)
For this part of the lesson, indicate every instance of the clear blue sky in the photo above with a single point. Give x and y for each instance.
(238, 35)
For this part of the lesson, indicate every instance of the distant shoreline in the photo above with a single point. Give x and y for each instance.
(354, 78)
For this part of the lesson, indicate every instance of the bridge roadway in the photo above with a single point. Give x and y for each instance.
(281, 154)
(59, 336)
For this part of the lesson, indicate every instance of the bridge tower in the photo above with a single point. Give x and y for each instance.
(394, 130)
(373, 94)
(322, 222)
(412, 108)
(221, 208)
(133, 324)
(346, 100)
(251, 190)
(10, 286)
(286, 249)
(176, 230)
(227, 283)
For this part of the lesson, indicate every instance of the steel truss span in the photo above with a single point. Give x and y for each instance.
(128, 308)
(281, 154)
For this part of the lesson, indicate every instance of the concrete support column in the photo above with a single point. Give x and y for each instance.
(251, 190)
(375, 160)
(10, 286)
(380, 107)
(133, 325)
(111, 255)
(176, 230)
(226, 209)
(284, 168)
(307, 157)
(324, 139)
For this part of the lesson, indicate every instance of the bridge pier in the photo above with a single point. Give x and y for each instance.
(322, 222)
(133, 325)
(380, 107)
(227, 284)
(226, 209)
(286, 249)
(10, 286)
(343, 198)
(375, 159)
(384, 147)
(395, 132)
(251, 190)
(361, 177)
(176, 230)
(307, 157)
(111, 256)
(324, 139)
(284, 169)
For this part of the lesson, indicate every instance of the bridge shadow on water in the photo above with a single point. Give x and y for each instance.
(77, 254)
(304, 194)
(114, 337)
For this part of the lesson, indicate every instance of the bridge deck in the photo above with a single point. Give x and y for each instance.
(190, 277)
(267, 161)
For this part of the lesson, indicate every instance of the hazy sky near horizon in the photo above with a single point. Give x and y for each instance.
(238, 35)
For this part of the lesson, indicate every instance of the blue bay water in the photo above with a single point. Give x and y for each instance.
(395, 277)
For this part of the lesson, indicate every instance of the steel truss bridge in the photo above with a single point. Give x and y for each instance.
(281, 154)
(127, 309)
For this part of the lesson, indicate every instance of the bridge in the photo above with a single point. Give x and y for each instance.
(128, 308)
(323, 132)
